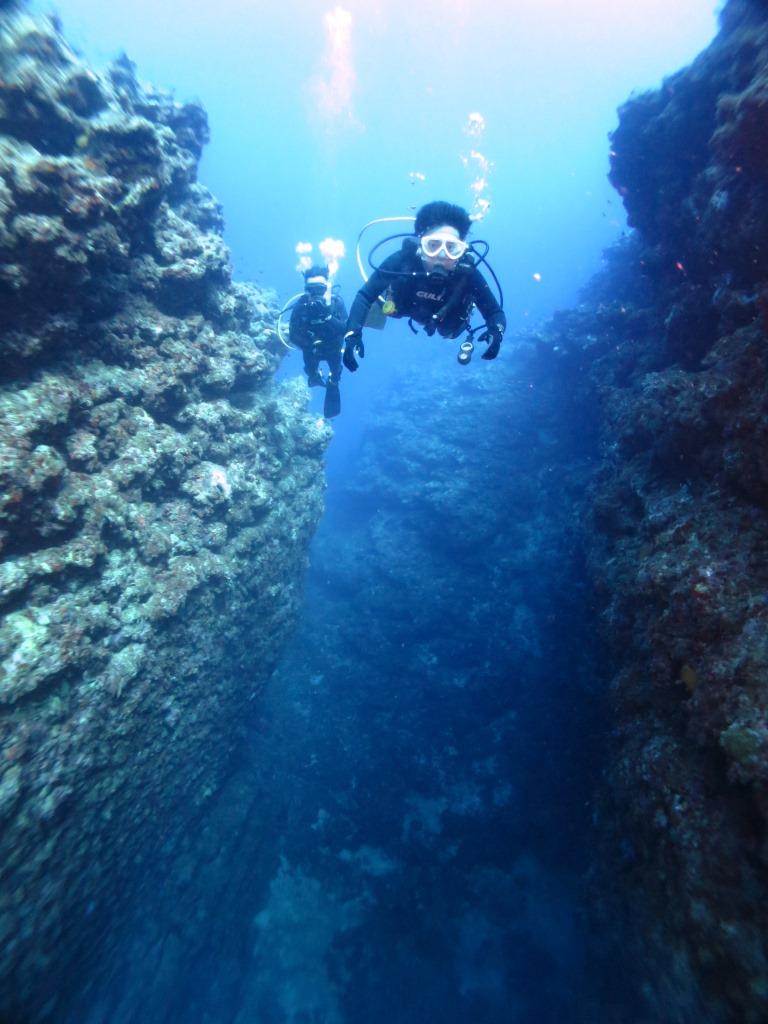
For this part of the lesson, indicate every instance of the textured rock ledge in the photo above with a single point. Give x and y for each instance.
(157, 496)
(423, 754)
(672, 342)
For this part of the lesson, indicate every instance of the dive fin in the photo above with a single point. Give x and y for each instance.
(332, 404)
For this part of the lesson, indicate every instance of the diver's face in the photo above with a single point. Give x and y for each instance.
(436, 255)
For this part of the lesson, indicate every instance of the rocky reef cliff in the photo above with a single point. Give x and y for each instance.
(157, 497)
(447, 669)
(412, 820)
(672, 343)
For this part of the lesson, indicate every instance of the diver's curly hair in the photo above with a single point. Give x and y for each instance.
(315, 271)
(432, 215)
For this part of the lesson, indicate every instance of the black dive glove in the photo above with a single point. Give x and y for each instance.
(353, 344)
(493, 340)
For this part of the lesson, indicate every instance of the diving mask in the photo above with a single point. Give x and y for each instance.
(316, 287)
(441, 243)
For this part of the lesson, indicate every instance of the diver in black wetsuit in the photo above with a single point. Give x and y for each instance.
(434, 282)
(317, 327)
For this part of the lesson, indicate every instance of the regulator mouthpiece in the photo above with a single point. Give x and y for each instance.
(439, 271)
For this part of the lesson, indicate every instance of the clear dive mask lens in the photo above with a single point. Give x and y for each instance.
(315, 291)
(452, 247)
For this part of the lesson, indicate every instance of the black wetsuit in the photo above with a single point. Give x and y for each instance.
(437, 302)
(318, 330)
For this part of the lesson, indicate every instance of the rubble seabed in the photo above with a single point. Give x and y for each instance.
(672, 342)
(157, 496)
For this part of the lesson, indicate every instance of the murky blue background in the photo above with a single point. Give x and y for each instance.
(316, 132)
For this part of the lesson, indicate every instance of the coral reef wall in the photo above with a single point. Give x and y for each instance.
(157, 497)
(673, 343)
(412, 817)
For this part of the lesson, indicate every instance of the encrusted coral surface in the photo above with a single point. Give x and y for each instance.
(673, 341)
(411, 826)
(157, 495)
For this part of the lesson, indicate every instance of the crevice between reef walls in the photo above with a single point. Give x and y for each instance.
(157, 497)
(672, 342)
(158, 493)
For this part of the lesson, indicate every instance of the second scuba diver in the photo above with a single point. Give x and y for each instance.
(434, 281)
(317, 327)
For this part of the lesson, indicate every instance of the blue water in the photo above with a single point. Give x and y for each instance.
(547, 77)
(413, 799)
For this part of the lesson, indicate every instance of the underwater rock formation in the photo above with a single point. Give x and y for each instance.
(672, 341)
(411, 824)
(157, 497)
(448, 672)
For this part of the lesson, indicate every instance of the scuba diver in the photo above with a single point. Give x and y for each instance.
(317, 327)
(433, 280)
